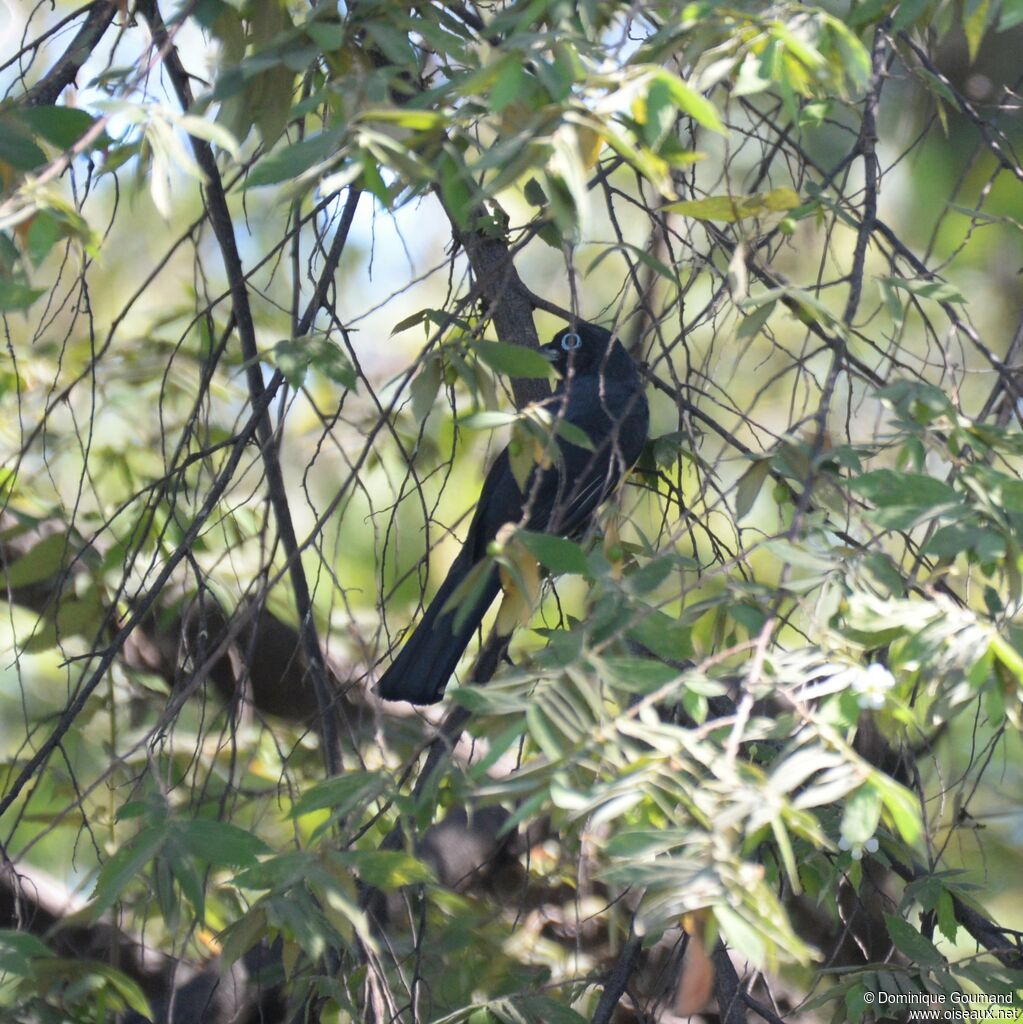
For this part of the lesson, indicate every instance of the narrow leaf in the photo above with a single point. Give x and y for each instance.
(513, 360)
(556, 553)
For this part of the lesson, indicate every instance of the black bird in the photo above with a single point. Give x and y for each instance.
(600, 393)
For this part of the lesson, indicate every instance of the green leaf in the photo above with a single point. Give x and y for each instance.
(16, 296)
(538, 1010)
(43, 560)
(185, 873)
(888, 489)
(124, 867)
(18, 950)
(659, 114)
(919, 950)
(386, 869)
(291, 162)
(293, 357)
(639, 675)
(555, 553)
(752, 619)
(513, 360)
(947, 923)
(909, 12)
(43, 233)
(269, 97)
(327, 35)
(534, 194)
(1012, 15)
(133, 809)
(651, 575)
(127, 988)
(456, 190)
(512, 83)
(219, 843)
(862, 814)
(752, 324)
(940, 291)
(415, 120)
(468, 592)
(661, 269)
(749, 486)
(691, 102)
(956, 538)
(730, 209)
(573, 434)
(864, 12)
(340, 794)
(975, 25)
(662, 635)
(424, 389)
(240, 937)
(902, 805)
(544, 734)
(393, 43)
(855, 1003)
(788, 856)
(740, 934)
(280, 872)
(440, 317)
(489, 420)
(72, 617)
(800, 557)
(17, 147)
(60, 126)
(208, 131)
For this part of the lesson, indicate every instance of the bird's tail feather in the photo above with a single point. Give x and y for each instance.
(428, 658)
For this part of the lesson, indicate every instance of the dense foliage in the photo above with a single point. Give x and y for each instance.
(268, 273)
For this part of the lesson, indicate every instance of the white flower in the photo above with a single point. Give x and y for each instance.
(857, 850)
(873, 684)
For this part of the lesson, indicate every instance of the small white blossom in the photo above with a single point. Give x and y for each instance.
(873, 684)
(857, 850)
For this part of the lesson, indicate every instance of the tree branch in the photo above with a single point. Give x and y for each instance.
(45, 92)
(508, 300)
(223, 228)
(728, 988)
(867, 146)
(994, 939)
(143, 605)
(618, 979)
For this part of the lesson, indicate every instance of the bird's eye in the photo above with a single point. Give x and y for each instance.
(570, 341)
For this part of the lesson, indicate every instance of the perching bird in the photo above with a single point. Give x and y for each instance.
(600, 392)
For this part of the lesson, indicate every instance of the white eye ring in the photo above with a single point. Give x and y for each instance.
(567, 342)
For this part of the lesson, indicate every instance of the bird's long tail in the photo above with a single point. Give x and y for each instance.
(425, 663)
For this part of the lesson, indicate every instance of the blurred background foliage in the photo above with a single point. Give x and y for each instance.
(756, 756)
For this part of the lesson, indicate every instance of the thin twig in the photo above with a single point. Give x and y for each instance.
(223, 228)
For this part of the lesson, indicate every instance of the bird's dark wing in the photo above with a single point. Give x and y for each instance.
(561, 499)
(500, 502)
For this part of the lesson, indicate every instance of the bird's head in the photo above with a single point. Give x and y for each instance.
(582, 348)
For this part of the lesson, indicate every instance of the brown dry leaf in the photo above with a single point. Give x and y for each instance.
(696, 984)
(520, 582)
